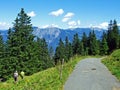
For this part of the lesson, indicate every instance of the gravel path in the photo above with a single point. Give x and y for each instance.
(91, 74)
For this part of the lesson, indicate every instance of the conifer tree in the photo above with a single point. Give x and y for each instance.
(75, 44)
(51, 52)
(8, 63)
(2, 56)
(119, 40)
(116, 34)
(85, 43)
(2, 47)
(113, 36)
(81, 49)
(90, 43)
(20, 41)
(60, 52)
(104, 45)
(93, 44)
(44, 55)
(68, 49)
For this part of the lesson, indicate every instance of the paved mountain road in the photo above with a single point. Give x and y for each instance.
(91, 74)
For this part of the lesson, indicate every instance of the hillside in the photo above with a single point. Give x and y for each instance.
(44, 80)
(113, 63)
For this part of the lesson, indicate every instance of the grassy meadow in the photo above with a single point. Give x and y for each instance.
(45, 80)
(113, 63)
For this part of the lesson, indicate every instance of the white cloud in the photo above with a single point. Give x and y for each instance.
(31, 14)
(103, 25)
(74, 24)
(65, 19)
(45, 26)
(54, 25)
(78, 22)
(69, 15)
(118, 24)
(50, 26)
(57, 13)
(4, 25)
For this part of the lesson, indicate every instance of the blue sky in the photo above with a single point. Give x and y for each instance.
(61, 13)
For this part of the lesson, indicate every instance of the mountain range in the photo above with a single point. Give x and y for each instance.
(53, 34)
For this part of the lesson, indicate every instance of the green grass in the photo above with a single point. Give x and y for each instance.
(113, 63)
(45, 80)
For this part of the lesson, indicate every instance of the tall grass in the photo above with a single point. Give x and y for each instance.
(113, 63)
(45, 80)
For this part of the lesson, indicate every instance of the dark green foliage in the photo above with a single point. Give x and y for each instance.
(60, 52)
(76, 44)
(20, 42)
(51, 52)
(2, 47)
(113, 36)
(85, 43)
(81, 49)
(119, 40)
(68, 49)
(104, 45)
(63, 51)
(22, 52)
(44, 54)
(2, 55)
(93, 44)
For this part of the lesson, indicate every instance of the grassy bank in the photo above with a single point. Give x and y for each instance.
(44, 80)
(113, 63)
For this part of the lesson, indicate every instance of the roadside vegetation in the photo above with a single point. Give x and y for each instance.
(45, 80)
(113, 63)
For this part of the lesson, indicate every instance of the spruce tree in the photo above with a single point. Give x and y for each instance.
(2, 47)
(90, 43)
(8, 62)
(85, 43)
(81, 49)
(116, 34)
(51, 52)
(113, 36)
(60, 52)
(93, 44)
(68, 49)
(44, 55)
(104, 45)
(20, 41)
(75, 44)
(119, 40)
(2, 56)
